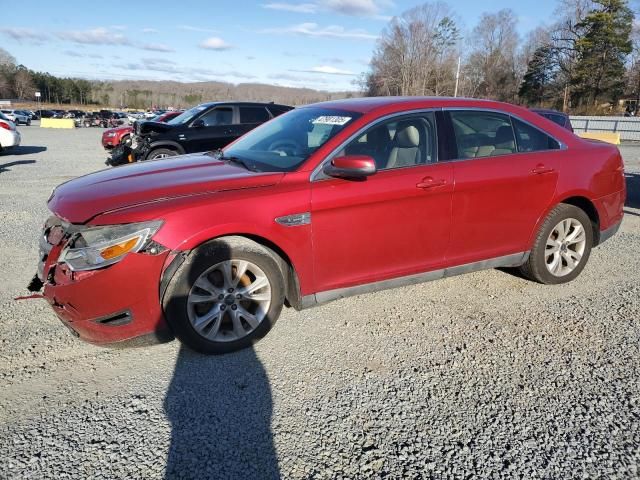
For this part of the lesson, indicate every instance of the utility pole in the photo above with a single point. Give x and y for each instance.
(455, 93)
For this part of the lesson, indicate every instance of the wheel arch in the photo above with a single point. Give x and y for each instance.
(171, 145)
(293, 296)
(588, 207)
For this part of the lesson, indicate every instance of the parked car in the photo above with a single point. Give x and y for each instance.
(45, 114)
(133, 116)
(16, 116)
(206, 127)
(9, 135)
(115, 136)
(560, 118)
(26, 113)
(75, 114)
(326, 201)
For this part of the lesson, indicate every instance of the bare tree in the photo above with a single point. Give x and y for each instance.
(416, 54)
(492, 69)
(23, 83)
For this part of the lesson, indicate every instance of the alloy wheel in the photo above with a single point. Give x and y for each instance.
(565, 247)
(229, 300)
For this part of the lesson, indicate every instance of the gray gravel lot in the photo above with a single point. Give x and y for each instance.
(485, 374)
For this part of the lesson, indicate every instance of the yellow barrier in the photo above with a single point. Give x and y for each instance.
(57, 123)
(608, 137)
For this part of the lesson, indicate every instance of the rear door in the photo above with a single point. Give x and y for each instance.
(251, 116)
(212, 130)
(505, 177)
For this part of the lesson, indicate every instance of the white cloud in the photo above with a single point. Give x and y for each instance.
(95, 36)
(24, 34)
(332, 31)
(191, 28)
(157, 47)
(150, 30)
(358, 8)
(330, 70)
(215, 43)
(292, 7)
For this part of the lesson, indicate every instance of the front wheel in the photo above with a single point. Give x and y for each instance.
(226, 295)
(562, 246)
(161, 153)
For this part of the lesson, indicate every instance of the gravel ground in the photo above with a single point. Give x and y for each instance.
(480, 375)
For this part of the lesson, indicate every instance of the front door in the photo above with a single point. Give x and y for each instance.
(212, 130)
(394, 223)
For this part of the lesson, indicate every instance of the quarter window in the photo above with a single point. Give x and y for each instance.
(398, 143)
(253, 115)
(482, 134)
(530, 139)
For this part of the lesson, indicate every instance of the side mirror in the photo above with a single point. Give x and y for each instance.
(351, 166)
(198, 124)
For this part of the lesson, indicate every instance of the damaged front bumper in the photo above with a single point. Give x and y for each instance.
(117, 303)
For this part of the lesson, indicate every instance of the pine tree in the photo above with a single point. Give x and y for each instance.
(540, 73)
(599, 72)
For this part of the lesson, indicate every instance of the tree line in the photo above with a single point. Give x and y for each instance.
(585, 61)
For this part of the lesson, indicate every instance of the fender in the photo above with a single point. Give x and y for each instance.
(557, 200)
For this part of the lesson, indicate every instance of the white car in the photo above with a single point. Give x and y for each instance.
(9, 136)
(16, 116)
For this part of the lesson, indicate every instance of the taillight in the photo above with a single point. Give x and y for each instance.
(6, 126)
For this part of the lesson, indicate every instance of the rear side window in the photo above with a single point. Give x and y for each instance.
(530, 139)
(482, 134)
(559, 119)
(253, 115)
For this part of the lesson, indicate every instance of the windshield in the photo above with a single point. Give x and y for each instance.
(187, 115)
(284, 143)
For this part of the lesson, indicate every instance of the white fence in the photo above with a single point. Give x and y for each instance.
(627, 127)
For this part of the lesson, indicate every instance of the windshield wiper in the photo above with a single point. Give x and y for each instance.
(219, 155)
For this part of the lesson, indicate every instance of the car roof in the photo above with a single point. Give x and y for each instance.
(259, 104)
(548, 110)
(369, 104)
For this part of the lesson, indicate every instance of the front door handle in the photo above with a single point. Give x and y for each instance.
(542, 169)
(429, 182)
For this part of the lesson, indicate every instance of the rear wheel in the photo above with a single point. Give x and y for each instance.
(161, 153)
(225, 296)
(562, 246)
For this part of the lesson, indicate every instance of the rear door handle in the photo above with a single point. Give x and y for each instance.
(429, 182)
(541, 169)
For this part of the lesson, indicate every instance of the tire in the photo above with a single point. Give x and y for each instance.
(161, 153)
(548, 261)
(212, 322)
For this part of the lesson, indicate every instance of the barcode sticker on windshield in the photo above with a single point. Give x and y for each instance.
(331, 120)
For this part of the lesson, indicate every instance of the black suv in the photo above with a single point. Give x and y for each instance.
(208, 126)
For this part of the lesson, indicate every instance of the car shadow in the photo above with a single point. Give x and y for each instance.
(26, 150)
(633, 190)
(220, 409)
(5, 167)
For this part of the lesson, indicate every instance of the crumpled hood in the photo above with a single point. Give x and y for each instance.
(79, 200)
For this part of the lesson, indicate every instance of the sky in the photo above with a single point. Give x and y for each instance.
(321, 44)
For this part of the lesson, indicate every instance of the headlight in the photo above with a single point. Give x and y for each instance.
(97, 247)
(111, 134)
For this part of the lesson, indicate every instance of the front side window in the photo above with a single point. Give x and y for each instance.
(284, 143)
(187, 115)
(399, 142)
(218, 116)
(482, 134)
(530, 139)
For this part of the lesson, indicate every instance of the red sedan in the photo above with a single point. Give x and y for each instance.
(325, 201)
(113, 137)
